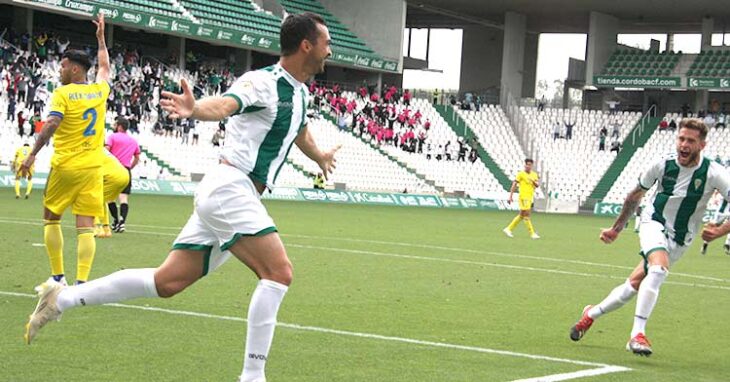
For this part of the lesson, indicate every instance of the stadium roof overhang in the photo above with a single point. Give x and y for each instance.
(571, 16)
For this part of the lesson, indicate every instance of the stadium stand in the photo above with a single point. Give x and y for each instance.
(342, 37)
(571, 168)
(379, 173)
(449, 175)
(239, 14)
(633, 62)
(711, 63)
(493, 130)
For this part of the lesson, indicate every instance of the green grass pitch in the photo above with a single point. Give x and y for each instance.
(379, 294)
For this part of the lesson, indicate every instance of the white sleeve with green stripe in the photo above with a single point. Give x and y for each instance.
(248, 90)
(652, 175)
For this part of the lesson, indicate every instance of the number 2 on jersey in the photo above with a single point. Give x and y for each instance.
(90, 130)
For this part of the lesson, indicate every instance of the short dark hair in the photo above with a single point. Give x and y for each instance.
(296, 28)
(694, 124)
(529, 160)
(123, 122)
(78, 57)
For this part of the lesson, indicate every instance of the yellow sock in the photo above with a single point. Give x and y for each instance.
(53, 239)
(17, 187)
(514, 223)
(86, 251)
(29, 188)
(530, 228)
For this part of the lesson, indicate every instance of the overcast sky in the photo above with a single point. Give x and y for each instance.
(553, 53)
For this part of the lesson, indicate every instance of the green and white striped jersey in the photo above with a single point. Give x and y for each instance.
(682, 194)
(271, 112)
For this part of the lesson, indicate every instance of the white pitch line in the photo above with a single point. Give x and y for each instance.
(576, 374)
(425, 246)
(597, 366)
(496, 265)
(455, 261)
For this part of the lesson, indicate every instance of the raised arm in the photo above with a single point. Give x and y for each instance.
(325, 160)
(205, 109)
(633, 200)
(103, 73)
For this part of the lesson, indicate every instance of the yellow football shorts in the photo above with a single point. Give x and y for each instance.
(82, 189)
(116, 178)
(525, 204)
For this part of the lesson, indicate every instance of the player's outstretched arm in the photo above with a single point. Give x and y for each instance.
(103, 73)
(714, 231)
(49, 128)
(633, 200)
(325, 159)
(207, 109)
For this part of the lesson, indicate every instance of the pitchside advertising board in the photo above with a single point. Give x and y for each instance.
(613, 209)
(708, 83)
(637, 82)
(164, 187)
(207, 32)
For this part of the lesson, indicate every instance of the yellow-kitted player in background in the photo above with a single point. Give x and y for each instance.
(528, 181)
(20, 155)
(116, 178)
(76, 123)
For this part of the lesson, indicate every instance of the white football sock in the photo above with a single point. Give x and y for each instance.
(648, 295)
(727, 240)
(637, 222)
(618, 297)
(118, 286)
(262, 312)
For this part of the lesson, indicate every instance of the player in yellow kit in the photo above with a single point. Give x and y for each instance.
(116, 178)
(528, 181)
(20, 155)
(76, 123)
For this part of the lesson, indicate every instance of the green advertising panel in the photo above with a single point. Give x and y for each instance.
(708, 83)
(637, 82)
(613, 209)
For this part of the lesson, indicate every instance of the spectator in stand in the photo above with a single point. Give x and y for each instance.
(612, 106)
(615, 146)
(473, 156)
(435, 97)
(556, 130)
(447, 150)
(478, 103)
(218, 138)
(541, 103)
(193, 131)
(363, 93)
(185, 131)
(21, 123)
(569, 129)
(672, 125)
(709, 120)
(407, 97)
(685, 110)
(602, 142)
(616, 132)
(22, 83)
(603, 132)
(663, 124)
(462, 151)
(34, 123)
(11, 108)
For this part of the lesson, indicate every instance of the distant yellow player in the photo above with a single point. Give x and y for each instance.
(20, 155)
(76, 123)
(528, 182)
(116, 178)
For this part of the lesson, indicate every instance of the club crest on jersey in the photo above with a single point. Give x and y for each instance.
(698, 183)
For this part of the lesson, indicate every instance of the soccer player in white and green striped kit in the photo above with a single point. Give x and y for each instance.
(267, 110)
(669, 223)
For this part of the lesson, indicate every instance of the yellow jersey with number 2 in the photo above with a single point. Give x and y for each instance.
(79, 139)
